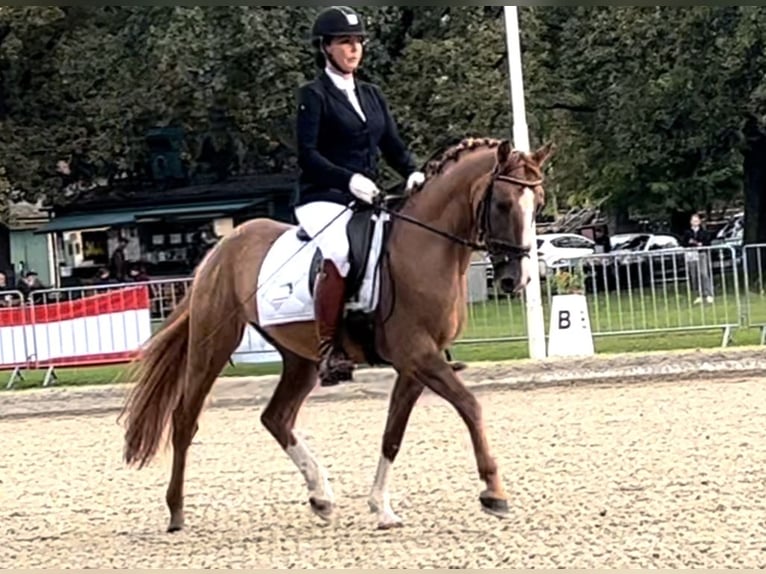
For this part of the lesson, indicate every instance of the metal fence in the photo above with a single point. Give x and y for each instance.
(663, 291)
(720, 288)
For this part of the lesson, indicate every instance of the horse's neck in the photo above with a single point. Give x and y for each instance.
(447, 202)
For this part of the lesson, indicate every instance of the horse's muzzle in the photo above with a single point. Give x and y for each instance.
(512, 275)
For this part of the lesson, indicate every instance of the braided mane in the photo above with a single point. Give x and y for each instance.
(438, 161)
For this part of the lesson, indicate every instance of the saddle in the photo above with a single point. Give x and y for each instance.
(359, 231)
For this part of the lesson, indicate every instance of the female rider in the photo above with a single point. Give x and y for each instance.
(342, 122)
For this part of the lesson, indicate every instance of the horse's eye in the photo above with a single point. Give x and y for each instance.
(503, 205)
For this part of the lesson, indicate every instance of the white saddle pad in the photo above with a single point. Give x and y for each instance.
(283, 282)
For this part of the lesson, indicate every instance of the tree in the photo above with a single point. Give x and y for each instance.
(647, 106)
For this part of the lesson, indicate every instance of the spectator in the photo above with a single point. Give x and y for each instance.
(117, 261)
(104, 277)
(698, 261)
(29, 284)
(138, 273)
(6, 299)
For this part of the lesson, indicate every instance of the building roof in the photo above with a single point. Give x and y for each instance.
(117, 195)
(132, 215)
(25, 215)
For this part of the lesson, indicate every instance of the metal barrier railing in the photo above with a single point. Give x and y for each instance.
(628, 294)
(17, 341)
(671, 291)
(753, 263)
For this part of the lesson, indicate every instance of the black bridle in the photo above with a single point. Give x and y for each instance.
(499, 249)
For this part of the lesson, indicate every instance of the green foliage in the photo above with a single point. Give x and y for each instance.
(646, 105)
(569, 281)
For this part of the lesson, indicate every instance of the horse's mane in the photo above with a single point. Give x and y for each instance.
(450, 151)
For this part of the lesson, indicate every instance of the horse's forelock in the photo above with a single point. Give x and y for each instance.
(519, 159)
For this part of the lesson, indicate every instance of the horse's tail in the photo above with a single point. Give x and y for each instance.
(160, 375)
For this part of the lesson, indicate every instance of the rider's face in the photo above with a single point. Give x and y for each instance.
(346, 52)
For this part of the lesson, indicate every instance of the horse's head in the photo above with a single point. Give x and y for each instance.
(513, 196)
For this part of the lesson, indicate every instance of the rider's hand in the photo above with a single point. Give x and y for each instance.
(416, 178)
(363, 188)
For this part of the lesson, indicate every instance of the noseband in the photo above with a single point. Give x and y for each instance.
(500, 249)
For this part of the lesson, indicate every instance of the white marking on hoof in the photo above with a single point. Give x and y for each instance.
(389, 520)
(321, 497)
(380, 500)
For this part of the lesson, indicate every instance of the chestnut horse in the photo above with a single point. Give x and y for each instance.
(479, 194)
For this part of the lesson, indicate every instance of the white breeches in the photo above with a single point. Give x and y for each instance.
(333, 240)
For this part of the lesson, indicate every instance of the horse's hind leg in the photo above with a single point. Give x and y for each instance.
(403, 398)
(202, 370)
(299, 377)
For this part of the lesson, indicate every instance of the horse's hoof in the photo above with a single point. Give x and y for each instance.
(495, 506)
(390, 523)
(176, 523)
(386, 520)
(322, 508)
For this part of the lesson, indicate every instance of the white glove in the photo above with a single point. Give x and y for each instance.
(363, 188)
(416, 178)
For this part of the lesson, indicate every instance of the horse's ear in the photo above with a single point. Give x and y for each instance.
(544, 153)
(503, 152)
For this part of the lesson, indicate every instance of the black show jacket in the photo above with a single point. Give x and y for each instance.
(334, 143)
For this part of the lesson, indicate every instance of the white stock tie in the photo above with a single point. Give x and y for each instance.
(351, 95)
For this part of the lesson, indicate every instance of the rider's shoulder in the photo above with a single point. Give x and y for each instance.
(311, 94)
(313, 87)
(367, 85)
(371, 88)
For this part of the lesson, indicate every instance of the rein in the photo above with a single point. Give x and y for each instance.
(493, 246)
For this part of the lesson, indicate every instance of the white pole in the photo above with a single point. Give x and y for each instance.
(535, 320)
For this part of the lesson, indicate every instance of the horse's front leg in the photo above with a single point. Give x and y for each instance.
(433, 371)
(403, 398)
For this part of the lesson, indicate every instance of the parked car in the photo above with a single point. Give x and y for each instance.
(562, 250)
(731, 235)
(641, 259)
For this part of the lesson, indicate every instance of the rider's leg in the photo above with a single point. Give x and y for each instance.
(330, 286)
(329, 302)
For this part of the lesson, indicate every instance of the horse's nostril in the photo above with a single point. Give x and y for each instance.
(507, 284)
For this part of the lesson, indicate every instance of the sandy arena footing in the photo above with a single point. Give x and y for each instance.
(662, 472)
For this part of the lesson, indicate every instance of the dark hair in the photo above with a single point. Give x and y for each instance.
(319, 57)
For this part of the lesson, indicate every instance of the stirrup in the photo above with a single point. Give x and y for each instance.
(335, 367)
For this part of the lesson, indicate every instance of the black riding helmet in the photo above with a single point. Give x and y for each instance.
(337, 21)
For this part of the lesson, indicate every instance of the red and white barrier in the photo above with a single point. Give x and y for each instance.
(91, 326)
(102, 328)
